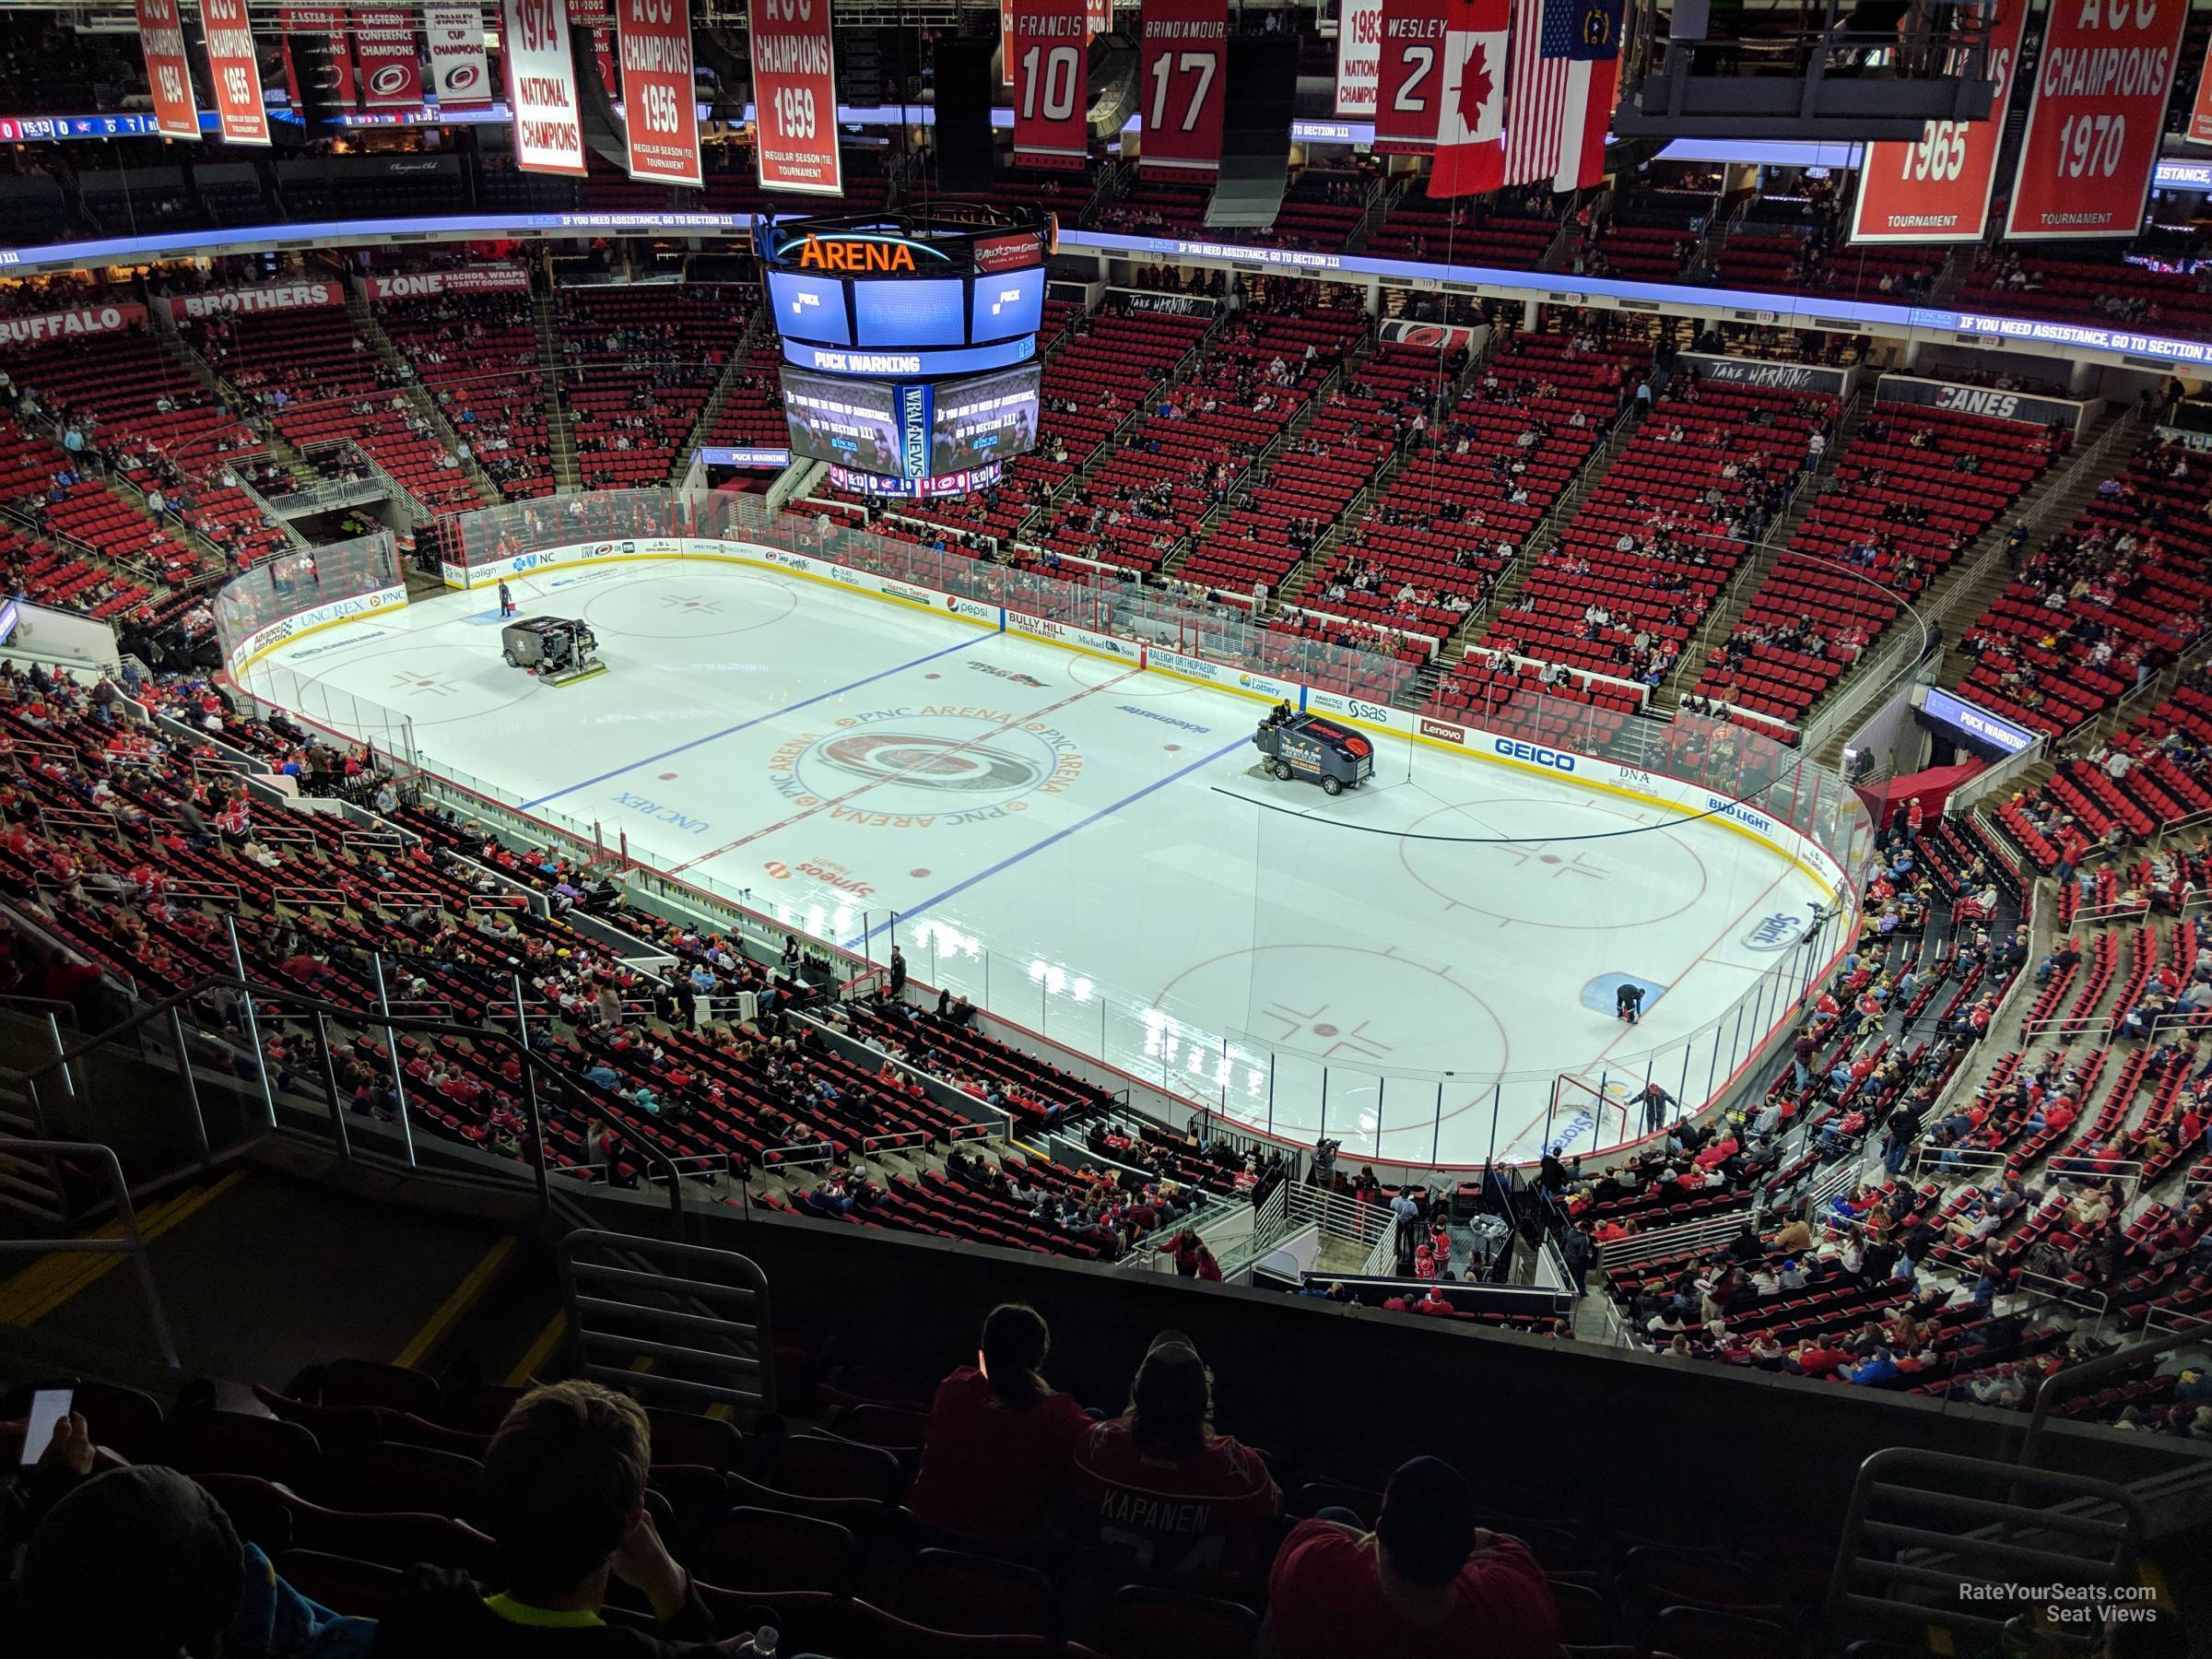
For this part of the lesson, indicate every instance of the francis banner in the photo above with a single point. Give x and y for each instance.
(541, 87)
(660, 102)
(1937, 188)
(2099, 114)
(1183, 88)
(794, 96)
(1052, 103)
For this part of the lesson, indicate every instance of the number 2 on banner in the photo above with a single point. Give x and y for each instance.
(1048, 77)
(2089, 146)
(1165, 67)
(1410, 98)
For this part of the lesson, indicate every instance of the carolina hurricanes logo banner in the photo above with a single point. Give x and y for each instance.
(1937, 188)
(1052, 103)
(2100, 110)
(234, 70)
(794, 97)
(1410, 75)
(1185, 42)
(460, 69)
(389, 68)
(660, 104)
(1470, 126)
(167, 74)
(541, 87)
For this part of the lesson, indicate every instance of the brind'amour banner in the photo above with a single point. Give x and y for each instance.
(1183, 91)
(541, 87)
(1358, 55)
(794, 97)
(460, 69)
(1052, 82)
(1937, 189)
(660, 105)
(2100, 110)
(234, 71)
(168, 74)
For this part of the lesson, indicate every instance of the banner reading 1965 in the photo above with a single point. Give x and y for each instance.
(1937, 189)
(795, 94)
(2099, 111)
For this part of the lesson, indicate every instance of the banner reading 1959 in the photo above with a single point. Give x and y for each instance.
(660, 106)
(1937, 189)
(794, 98)
(2099, 111)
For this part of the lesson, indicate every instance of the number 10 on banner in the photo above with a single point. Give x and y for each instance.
(1048, 77)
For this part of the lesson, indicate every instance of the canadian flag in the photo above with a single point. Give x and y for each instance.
(1470, 149)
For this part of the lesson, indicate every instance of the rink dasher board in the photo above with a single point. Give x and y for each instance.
(1589, 772)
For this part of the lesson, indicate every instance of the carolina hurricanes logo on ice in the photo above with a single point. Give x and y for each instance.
(929, 762)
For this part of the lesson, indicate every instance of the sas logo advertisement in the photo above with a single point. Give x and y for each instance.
(1531, 755)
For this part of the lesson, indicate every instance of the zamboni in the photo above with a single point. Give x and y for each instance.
(1304, 746)
(559, 649)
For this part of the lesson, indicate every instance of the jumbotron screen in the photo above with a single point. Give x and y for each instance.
(913, 430)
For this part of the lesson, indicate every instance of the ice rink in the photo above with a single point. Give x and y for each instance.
(1091, 852)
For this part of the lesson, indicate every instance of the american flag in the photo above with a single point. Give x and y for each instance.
(1559, 90)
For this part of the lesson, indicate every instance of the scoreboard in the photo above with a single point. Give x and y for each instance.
(908, 342)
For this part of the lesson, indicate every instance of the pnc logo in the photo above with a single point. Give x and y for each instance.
(856, 256)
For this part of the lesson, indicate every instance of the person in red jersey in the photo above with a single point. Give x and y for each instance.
(1427, 1583)
(996, 1453)
(1159, 1483)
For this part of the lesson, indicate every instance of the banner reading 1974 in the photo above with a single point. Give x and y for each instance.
(794, 98)
(541, 87)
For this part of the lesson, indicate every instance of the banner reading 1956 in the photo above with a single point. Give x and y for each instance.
(794, 98)
(660, 106)
(2099, 111)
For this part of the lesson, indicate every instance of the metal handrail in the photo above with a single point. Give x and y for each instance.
(2066, 1382)
(132, 1243)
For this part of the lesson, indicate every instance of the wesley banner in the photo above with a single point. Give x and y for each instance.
(2100, 110)
(460, 68)
(660, 104)
(794, 90)
(387, 66)
(1937, 188)
(1410, 78)
(541, 87)
(1358, 55)
(167, 72)
(1052, 83)
(234, 71)
(1183, 88)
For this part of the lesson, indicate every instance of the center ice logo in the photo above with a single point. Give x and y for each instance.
(929, 762)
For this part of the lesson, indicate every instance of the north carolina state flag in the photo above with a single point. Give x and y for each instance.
(1470, 150)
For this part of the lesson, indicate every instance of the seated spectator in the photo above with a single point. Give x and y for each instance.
(995, 1456)
(1427, 1583)
(564, 1496)
(1160, 1484)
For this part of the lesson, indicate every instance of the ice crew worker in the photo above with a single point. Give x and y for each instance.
(1628, 1003)
(506, 601)
(1280, 714)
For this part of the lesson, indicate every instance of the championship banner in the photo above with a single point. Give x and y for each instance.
(541, 87)
(794, 98)
(1185, 43)
(69, 324)
(1409, 75)
(2200, 112)
(460, 68)
(328, 21)
(387, 65)
(660, 104)
(234, 71)
(467, 280)
(1937, 189)
(2100, 110)
(1358, 55)
(1052, 83)
(168, 72)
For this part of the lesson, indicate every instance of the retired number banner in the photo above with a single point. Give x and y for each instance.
(1185, 43)
(794, 98)
(460, 69)
(167, 72)
(1937, 189)
(2099, 111)
(541, 87)
(1052, 80)
(1410, 75)
(385, 61)
(660, 105)
(234, 71)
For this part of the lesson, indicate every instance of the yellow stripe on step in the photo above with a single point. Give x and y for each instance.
(456, 1307)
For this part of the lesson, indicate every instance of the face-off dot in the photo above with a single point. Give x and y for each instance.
(667, 777)
(917, 874)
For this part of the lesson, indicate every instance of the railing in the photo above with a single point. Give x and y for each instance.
(130, 1240)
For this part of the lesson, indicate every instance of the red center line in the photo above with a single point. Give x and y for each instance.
(904, 771)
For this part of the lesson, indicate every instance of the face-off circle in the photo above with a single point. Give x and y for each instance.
(1618, 881)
